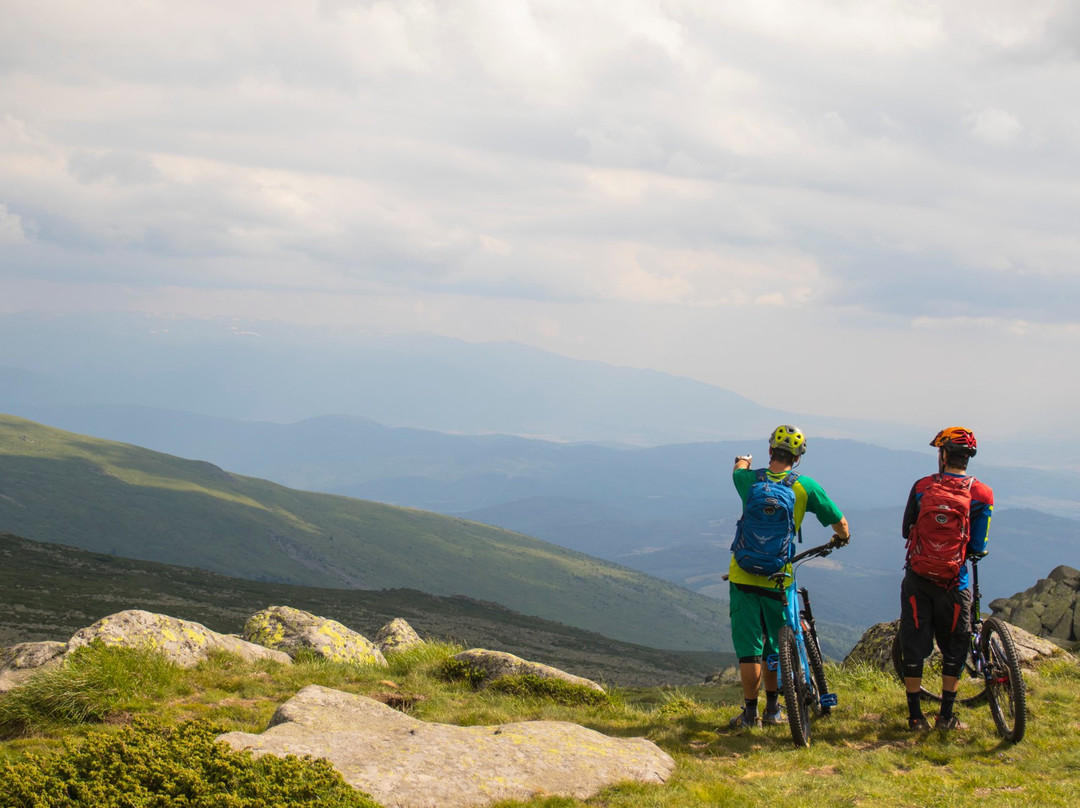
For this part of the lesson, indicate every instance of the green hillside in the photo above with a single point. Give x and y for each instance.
(114, 498)
(50, 591)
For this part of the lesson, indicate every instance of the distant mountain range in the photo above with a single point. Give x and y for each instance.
(626, 465)
(273, 372)
(665, 511)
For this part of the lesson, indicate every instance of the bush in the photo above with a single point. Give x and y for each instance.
(556, 690)
(93, 683)
(458, 670)
(149, 764)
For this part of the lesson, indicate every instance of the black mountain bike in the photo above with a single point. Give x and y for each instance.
(801, 668)
(993, 670)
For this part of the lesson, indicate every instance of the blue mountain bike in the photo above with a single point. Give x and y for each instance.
(801, 667)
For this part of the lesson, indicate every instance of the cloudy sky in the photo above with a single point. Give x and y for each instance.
(859, 207)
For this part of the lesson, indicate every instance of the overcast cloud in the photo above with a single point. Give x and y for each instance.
(890, 188)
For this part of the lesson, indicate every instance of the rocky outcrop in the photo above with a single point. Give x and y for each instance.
(494, 665)
(725, 677)
(1051, 608)
(293, 631)
(396, 636)
(19, 662)
(184, 642)
(875, 647)
(405, 763)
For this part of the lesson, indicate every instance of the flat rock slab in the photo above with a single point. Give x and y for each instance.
(406, 763)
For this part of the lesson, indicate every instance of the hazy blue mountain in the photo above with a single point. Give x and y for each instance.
(279, 373)
(668, 511)
(456, 428)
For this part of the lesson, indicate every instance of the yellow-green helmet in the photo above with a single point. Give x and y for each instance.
(790, 438)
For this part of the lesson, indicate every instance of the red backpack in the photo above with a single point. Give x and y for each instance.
(937, 542)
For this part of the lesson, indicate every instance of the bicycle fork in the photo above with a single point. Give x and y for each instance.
(802, 623)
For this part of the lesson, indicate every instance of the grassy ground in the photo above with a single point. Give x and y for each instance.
(860, 755)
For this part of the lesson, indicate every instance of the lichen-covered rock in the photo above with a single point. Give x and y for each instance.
(1066, 575)
(405, 763)
(1031, 648)
(494, 665)
(728, 676)
(875, 647)
(292, 631)
(184, 642)
(1047, 609)
(21, 661)
(397, 635)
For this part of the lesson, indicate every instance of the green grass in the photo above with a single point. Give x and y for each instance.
(860, 755)
(132, 502)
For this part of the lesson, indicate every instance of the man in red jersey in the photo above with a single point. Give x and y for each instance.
(946, 520)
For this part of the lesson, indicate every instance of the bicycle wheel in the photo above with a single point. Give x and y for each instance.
(971, 688)
(817, 669)
(793, 686)
(1004, 682)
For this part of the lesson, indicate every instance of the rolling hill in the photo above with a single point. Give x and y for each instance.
(115, 498)
(50, 591)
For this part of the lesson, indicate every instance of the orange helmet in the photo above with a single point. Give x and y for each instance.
(958, 437)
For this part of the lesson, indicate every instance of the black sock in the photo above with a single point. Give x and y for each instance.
(750, 708)
(947, 701)
(914, 705)
(772, 701)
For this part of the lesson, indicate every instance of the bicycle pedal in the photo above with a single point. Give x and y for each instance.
(828, 700)
(772, 662)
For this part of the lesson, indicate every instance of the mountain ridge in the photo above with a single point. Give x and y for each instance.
(133, 502)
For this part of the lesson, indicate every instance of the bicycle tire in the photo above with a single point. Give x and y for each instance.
(793, 687)
(972, 688)
(817, 670)
(1005, 688)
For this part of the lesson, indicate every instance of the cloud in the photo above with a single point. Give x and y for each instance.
(12, 230)
(994, 126)
(883, 163)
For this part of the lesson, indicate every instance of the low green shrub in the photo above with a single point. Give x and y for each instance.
(557, 690)
(459, 670)
(150, 764)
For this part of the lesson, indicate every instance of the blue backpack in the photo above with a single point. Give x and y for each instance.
(764, 534)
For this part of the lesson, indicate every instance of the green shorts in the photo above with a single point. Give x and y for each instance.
(755, 623)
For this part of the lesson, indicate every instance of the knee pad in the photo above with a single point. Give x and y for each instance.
(952, 669)
(913, 670)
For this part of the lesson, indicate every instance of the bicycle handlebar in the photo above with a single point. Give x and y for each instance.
(821, 550)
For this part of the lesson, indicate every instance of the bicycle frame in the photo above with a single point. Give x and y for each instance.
(976, 661)
(795, 617)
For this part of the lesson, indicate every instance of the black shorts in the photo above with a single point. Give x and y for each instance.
(929, 612)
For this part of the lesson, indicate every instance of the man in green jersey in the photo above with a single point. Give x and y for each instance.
(757, 601)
